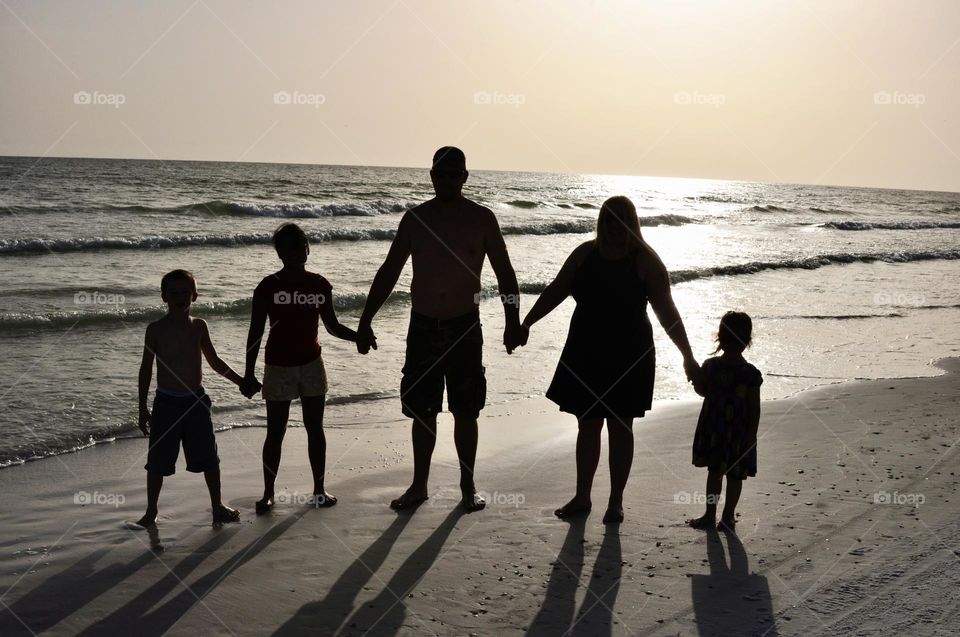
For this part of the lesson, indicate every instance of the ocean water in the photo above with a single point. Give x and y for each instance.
(842, 283)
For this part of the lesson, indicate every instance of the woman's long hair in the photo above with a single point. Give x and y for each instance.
(618, 227)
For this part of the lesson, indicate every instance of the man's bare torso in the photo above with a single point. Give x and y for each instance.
(447, 243)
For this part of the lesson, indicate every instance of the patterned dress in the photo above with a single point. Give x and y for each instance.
(722, 440)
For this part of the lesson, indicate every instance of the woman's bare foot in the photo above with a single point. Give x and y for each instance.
(223, 514)
(574, 508)
(148, 520)
(727, 524)
(264, 505)
(410, 498)
(322, 500)
(705, 521)
(471, 501)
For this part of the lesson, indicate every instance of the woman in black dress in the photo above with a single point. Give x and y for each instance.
(607, 366)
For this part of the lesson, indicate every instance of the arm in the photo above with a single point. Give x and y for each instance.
(146, 374)
(496, 249)
(258, 321)
(383, 283)
(753, 411)
(661, 300)
(332, 324)
(700, 382)
(210, 353)
(558, 289)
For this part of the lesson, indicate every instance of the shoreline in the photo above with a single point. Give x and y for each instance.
(824, 542)
(382, 413)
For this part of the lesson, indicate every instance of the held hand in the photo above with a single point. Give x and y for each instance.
(250, 387)
(366, 339)
(692, 369)
(514, 336)
(144, 421)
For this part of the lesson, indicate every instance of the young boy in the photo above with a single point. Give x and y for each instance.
(181, 409)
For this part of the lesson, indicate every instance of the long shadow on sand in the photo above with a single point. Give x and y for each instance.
(60, 595)
(386, 613)
(559, 603)
(324, 617)
(596, 615)
(142, 616)
(731, 600)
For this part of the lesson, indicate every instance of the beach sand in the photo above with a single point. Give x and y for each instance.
(830, 539)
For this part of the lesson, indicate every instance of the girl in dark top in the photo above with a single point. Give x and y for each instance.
(295, 301)
(726, 438)
(606, 370)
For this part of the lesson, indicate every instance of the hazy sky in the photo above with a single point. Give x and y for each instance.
(839, 92)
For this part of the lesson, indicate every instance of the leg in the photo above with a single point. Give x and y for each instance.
(154, 483)
(278, 411)
(465, 437)
(729, 517)
(620, 434)
(714, 485)
(221, 512)
(424, 435)
(588, 458)
(316, 447)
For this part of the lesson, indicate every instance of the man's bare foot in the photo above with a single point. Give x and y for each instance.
(223, 514)
(410, 499)
(573, 508)
(613, 516)
(472, 502)
(322, 500)
(703, 522)
(727, 524)
(149, 520)
(264, 505)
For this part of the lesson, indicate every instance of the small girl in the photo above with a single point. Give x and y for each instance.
(726, 438)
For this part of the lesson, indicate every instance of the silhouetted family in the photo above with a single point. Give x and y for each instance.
(605, 373)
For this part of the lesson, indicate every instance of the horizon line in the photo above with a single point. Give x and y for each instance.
(496, 170)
